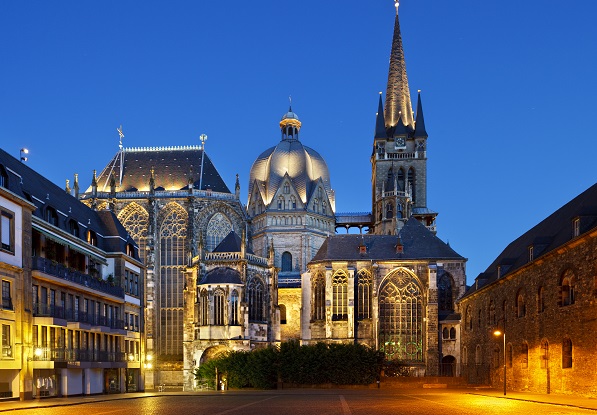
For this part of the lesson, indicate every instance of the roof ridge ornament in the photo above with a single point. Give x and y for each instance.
(396, 4)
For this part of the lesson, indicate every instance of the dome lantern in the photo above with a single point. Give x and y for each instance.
(290, 125)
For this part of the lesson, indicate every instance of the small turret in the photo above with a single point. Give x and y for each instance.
(94, 184)
(420, 131)
(237, 188)
(76, 186)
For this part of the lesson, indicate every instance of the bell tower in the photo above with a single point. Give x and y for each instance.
(399, 158)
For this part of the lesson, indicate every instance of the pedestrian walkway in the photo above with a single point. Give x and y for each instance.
(551, 399)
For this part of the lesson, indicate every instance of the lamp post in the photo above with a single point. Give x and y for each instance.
(23, 154)
(497, 333)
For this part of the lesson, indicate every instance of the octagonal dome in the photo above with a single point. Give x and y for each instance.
(303, 164)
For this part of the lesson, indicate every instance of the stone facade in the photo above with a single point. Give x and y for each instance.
(548, 306)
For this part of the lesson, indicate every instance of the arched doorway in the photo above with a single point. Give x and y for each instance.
(448, 367)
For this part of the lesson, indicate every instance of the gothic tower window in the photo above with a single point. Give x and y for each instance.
(401, 178)
(364, 294)
(412, 183)
(401, 317)
(340, 296)
(286, 262)
(389, 211)
(219, 307)
(444, 292)
(234, 308)
(255, 297)
(217, 229)
(172, 237)
(318, 289)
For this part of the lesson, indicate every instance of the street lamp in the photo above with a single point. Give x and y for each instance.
(497, 333)
(24, 153)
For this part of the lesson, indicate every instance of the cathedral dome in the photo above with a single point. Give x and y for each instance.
(303, 165)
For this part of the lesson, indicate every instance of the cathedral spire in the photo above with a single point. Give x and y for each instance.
(398, 94)
(380, 126)
(420, 131)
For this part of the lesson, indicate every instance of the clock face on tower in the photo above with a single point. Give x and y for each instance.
(400, 142)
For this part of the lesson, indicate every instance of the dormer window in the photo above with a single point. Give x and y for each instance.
(3, 177)
(576, 227)
(531, 254)
(73, 228)
(499, 272)
(92, 238)
(51, 216)
(130, 250)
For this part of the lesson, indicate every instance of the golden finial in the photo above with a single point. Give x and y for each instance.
(396, 4)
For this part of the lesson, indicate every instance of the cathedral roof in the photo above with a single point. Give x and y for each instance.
(173, 167)
(303, 165)
(221, 275)
(418, 243)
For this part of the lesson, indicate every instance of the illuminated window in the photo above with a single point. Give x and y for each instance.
(204, 308)
(91, 238)
(412, 183)
(217, 229)
(135, 220)
(364, 294)
(256, 294)
(234, 308)
(340, 296)
(6, 341)
(219, 307)
(389, 211)
(318, 289)
(566, 353)
(282, 314)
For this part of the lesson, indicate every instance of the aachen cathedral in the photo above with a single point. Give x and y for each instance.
(222, 275)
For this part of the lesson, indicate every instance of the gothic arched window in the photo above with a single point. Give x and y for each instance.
(135, 220)
(521, 309)
(444, 294)
(219, 307)
(234, 308)
(217, 229)
(318, 290)
(281, 203)
(567, 288)
(286, 188)
(566, 353)
(401, 317)
(544, 354)
(173, 240)
(339, 296)
(401, 178)
(204, 308)
(255, 299)
(389, 211)
(364, 294)
(293, 202)
(286, 262)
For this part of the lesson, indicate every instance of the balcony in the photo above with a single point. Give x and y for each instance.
(60, 354)
(58, 270)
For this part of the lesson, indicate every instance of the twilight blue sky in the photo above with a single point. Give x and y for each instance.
(509, 94)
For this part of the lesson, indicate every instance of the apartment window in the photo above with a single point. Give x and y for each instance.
(566, 353)
(136, 286)
(7, 231)
(3, 177)
(126, 321)
(6, 297)
(91, 238)
(51, 216)
(126, 281)
(6, 341)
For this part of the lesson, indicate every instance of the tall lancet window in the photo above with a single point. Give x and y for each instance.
(219, 304)
(364, 294)
(318, 302)
(401, 317)
(172, 236)
(217, 229)
(339, 296)
(234, 308)
(412, 184)
(255, 298)
(135, 220)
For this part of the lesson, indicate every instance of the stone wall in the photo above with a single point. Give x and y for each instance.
(544, 370)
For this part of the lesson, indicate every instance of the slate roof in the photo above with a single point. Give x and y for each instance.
(32, 186)
(221, 275)
(231, 243)
(551, 233)
(418, 243)
(172, 168)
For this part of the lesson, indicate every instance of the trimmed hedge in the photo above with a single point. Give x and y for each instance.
(340, 364)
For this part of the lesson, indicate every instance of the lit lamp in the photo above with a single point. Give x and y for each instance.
(497, 333)
(24, 153)
(148, 359)
(131, 357)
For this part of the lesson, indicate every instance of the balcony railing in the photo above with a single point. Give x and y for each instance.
(401, 156)
(6, 351)
(60, 271)
(46, 310)
(60, 354)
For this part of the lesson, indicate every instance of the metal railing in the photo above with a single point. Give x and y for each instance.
(61, 354)
(60, 271)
